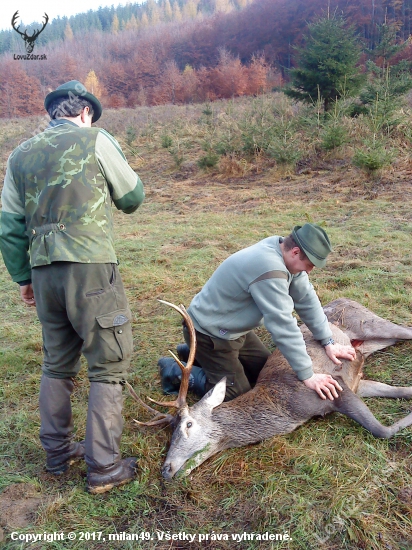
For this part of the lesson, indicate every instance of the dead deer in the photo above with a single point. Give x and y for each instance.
(279, 402)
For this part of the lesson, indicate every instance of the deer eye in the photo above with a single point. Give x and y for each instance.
(189, 425)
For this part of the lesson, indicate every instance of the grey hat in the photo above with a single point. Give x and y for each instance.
(314, 242)
(75, 88)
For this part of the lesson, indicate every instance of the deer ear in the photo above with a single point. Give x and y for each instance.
(215, 396)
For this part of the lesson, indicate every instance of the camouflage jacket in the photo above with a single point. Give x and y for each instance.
(57, 198)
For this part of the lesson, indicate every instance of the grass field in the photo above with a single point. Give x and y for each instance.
(328, 485)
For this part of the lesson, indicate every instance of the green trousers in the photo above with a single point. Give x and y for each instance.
(240, 360)
(83, 309)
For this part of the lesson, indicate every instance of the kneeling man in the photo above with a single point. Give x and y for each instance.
(261, 284)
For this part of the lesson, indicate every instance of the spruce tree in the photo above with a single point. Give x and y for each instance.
(388, 77)
(381, 100)
(327, 64)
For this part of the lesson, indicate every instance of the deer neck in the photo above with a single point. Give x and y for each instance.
(251, 418)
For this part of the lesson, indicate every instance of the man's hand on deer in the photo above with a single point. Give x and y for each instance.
(279, 402)
(333, 351)
(324, 385)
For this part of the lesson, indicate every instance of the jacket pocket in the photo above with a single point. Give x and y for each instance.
(95, 292)
(115, 336)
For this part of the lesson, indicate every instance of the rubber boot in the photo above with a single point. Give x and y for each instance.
(183, 351)
(171, 376)
(56, 424)
(104, 427)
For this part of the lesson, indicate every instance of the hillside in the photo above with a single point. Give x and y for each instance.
(179, 52)
(329, 484)
(249, 142)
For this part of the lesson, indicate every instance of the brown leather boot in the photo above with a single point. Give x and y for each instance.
(100, 480)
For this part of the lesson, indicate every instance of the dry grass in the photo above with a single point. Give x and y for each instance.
(330, 480)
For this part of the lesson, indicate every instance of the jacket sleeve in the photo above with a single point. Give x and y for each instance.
(272, 298)
(309, 308)
(14, 242)
(125, 185)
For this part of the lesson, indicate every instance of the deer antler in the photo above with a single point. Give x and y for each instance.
(13, 23)
(186, 369)
(36, 33)
(24, 34)
(29, 40)
(159, 418)
(180, 401)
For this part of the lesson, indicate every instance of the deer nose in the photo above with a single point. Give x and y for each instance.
(167, 471)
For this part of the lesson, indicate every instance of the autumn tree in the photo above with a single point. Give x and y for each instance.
(116, 82)
(132, 24)
(229, 77)
(190, 9)
(144, 22)
(93, 85)
(256, 75)
(61, 67)
(170, 86)
(144, 69)
(223, 6)
(327, 65)
(19, 94)
(190, 84)
(115, 24)
(204, 91)
(68, 32)
(177, 14)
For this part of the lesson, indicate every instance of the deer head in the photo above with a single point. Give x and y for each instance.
(196, 436)
(29, 40)
(279, 403)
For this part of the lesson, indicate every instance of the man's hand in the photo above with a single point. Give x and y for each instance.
(27, 295)
(333, 351)
(324, 385)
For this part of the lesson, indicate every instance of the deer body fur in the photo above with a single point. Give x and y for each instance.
(279, 403)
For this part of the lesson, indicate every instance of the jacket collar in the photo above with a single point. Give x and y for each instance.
(59, 121)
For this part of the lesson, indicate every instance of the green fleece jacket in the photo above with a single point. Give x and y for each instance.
(57, 198)
(253, 287)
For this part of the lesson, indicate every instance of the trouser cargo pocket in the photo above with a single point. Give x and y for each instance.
(213, 377)
(115, 336)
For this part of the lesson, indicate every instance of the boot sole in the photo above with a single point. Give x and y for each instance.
(104, 488)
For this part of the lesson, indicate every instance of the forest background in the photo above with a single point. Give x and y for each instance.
(181, 51)
(221, 171)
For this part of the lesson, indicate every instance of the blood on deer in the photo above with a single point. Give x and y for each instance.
(279, 403)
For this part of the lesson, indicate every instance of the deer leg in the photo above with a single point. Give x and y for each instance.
(370, 388)
(351, 405)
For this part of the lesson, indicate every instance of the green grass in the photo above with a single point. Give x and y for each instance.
(329, 484)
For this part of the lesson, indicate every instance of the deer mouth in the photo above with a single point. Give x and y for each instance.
(181, 469)
(167, 471)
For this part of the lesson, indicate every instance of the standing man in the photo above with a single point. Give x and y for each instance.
(56, 237)
(261, 284)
